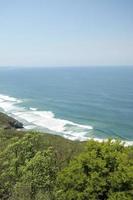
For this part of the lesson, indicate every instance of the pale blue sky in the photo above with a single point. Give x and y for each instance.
(66, 32)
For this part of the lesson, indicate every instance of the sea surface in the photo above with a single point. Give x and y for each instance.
(75, 102)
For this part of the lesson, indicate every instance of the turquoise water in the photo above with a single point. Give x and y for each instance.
(94, 102)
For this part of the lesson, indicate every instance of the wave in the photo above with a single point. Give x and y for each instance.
(34, 109)
(33, 118)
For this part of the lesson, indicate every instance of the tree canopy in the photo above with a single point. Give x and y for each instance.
(103, 171)
(37, 166)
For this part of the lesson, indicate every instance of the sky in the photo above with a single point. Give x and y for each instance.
(66, 32)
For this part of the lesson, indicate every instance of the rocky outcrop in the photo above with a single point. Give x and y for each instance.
(15, 124)
(8, 122)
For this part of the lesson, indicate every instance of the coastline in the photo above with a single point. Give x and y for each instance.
(9, 123)
(45, 121)
(76, 111)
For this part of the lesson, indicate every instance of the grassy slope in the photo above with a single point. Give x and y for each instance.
(66, 149)
(4, 120)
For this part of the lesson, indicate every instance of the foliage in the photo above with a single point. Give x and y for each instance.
(103, 171)
(38, 166)
(30, 160)
(39, 175)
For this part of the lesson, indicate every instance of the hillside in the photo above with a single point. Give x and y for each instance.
(8, 122)
(65, 148)
(40, 166)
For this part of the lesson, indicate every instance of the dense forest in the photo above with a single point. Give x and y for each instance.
(39, 166)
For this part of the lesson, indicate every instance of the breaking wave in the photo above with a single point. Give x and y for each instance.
(33, 118)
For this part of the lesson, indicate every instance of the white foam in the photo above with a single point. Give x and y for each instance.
(43, 119)
(9, 103)
(47, 119)
(76, 136)
(128, 143)
(30, 127)
(8, 98)
(34, 109)
(33, 119)
(83, 138)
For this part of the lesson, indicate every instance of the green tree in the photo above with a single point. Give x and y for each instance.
(103, 171)
(12, 160)
(39, 175)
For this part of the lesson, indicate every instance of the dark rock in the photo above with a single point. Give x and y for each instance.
(15, 124)
(8, 122)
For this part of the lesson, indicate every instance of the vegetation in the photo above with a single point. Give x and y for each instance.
(38, 166)
(103, 171)
(29, 163)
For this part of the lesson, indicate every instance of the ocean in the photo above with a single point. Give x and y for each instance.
(78, 103)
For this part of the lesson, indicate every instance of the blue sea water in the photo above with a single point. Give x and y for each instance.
(76, 102)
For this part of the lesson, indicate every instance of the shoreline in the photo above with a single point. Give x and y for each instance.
(43, 120)
(10, 126)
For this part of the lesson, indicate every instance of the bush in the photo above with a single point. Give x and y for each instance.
(103, 171)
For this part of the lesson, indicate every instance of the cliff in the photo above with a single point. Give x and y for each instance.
(8, 122)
